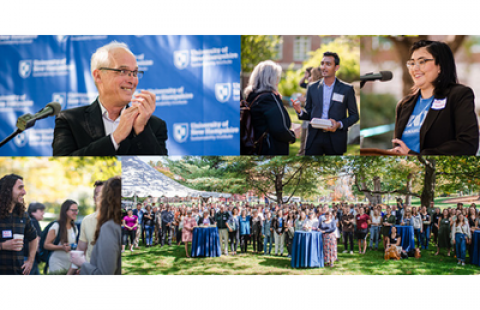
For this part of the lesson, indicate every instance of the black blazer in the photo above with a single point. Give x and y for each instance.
(337, 111)
(268, 113)
(80, 132)
(452, 130)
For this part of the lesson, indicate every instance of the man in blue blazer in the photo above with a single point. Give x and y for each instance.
(329, 99)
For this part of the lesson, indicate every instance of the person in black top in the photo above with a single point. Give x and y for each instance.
(14, 221)
(270, 120)
(425, 234)
(167, 225)
(35, 211)
(148, 224)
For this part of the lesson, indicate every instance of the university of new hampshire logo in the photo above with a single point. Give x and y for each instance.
(60, 98)
(25, 68)
(223, 91)
(20, 140)
(180, 132)
(181, 59)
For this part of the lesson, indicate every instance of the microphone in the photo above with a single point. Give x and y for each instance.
(381, 76)
(28, 120)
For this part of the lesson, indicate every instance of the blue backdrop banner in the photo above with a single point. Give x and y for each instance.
(196, 80)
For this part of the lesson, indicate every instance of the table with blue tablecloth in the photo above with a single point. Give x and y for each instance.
(476, 248)
(206, 242)
(307, 249)
(408, 237)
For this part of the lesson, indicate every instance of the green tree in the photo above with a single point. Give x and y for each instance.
(255, 49)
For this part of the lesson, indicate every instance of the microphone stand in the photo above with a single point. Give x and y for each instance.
(24, 122)
(10, 137)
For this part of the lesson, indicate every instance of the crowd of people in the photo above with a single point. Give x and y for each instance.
(272, 226)
(63, 246)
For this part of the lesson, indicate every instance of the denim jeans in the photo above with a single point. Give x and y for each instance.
(234, 237)
(425, 238)
(149, 234)
(374, 235)
(266, 240)
(417, 236)
(461, 246)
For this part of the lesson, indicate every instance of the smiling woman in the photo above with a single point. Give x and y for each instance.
(438, 117)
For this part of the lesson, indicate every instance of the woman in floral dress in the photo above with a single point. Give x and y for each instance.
(328, 227)
(187, 232)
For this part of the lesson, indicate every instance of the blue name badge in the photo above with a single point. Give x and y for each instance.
(7, 234)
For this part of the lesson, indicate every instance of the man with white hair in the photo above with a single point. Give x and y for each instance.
(110, 126)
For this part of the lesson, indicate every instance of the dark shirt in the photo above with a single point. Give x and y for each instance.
(167, 217)
(11, 262)
(425, 217)
(393, 240)
(26, 245)
(347, 227)
(222, 219)
(148, 222)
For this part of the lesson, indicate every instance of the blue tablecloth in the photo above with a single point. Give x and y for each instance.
(206, 242)
(407, 234)
(307, 249)
(476, 248)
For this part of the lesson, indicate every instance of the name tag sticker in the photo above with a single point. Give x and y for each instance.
(7, 234)
(439, 104)
(337, 97)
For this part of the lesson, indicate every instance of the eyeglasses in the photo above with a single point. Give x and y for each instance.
(420, 63)
(73, 210)
(125, 72)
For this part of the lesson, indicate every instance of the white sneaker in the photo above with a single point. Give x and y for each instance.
(463, 263)
(345, 251)
(351, 252)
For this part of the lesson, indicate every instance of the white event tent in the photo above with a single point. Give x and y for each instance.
(141, 180)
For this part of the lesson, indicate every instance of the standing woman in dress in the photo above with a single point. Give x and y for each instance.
(328, 227)
(444, 232)
(65, 231)
(461, 237)
(187, 231)
(106, 256)
(435, 227)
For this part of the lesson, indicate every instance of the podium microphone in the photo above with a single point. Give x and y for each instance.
(28, 120)
(382, 76)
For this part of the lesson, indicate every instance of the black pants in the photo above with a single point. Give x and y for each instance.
(234, 238)
(322, 145)
(244, 239)
(348, 236)
(257, 239)
(129, 233)
(289, 242)
(167, 230)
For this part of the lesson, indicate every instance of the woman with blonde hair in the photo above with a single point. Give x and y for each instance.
(270, 120)
(106, 255)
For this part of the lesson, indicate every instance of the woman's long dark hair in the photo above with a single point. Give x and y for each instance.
(110, 205)
(62, 221)
(443, 56)
(6, 188)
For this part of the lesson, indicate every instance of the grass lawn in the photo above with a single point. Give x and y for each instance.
(171, 260)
